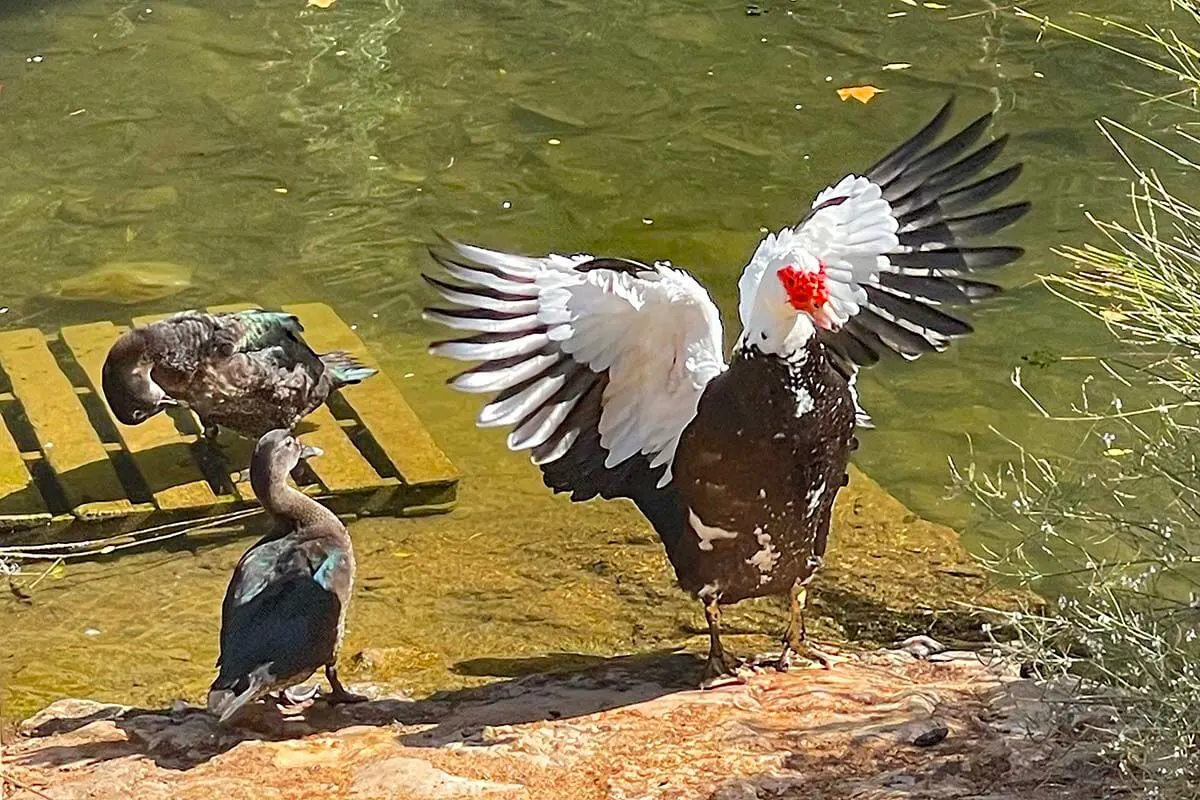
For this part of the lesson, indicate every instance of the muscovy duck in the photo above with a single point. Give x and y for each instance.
(611, 371)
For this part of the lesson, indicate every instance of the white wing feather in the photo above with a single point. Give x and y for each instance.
(849, 237)
(656, 333)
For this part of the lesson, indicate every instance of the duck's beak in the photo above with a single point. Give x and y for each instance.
(308, 451)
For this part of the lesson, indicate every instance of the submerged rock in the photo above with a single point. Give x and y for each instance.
(129, 206)
(125, 282)
(145, 201)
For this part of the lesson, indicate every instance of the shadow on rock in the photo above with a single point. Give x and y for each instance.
(183, 737)
(604, 684)
(862, 618)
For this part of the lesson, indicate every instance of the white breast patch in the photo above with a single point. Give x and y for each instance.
(765, 558)
(705, 533)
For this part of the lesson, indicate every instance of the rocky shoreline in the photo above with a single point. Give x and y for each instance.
(878, 725)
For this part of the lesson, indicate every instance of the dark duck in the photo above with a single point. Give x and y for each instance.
(285, 609)
(249, 371)
(612, 374)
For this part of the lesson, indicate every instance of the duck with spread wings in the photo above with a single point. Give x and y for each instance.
(612, 374)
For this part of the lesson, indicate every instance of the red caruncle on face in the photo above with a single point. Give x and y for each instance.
(806, 291)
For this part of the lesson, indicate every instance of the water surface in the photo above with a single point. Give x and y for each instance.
(287, 154)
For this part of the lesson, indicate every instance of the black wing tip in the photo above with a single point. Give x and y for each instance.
(976, 126)
(997, 145)
(443, 238)
(628, 266)
(975, 291)
(438, 283)
(437, 250)
(943, 114)
(448, 261)
(443, 259)
(1011, 213)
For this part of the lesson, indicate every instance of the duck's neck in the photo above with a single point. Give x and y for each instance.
(283, 502)
(777, 334)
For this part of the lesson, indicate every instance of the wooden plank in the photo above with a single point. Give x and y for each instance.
(162, 454)
(379, 403)
(230, 308)
(71, 446)
(342, 468)
(21, 503)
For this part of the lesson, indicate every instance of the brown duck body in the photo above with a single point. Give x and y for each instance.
(274, 385)
(249, 371)
(757, 472)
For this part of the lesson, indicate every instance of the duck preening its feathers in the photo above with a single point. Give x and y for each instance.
(285, 608)
(249, 371)
(611, 372)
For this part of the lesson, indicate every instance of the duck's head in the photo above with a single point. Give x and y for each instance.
(275, 456)
(132, 394)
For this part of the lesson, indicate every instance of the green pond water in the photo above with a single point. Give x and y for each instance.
(274, 153)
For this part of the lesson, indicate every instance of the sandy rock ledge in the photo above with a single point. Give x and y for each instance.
(876, 726)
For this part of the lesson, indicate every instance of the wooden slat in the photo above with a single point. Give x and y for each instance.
(161, 453)
(378, 403)
(230, 308)
(343, 468)
(71, 446)
(20, 501)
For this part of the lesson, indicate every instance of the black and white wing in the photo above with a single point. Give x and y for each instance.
(893, 242)
(596, 364)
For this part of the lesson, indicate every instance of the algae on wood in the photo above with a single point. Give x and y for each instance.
(21, 503)
(161, 453)
(70, 445)
(381, 407)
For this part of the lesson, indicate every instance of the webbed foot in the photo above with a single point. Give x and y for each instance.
(721, 669)
(795, 638)
(297, 695)
(339, 695)
(809, 651)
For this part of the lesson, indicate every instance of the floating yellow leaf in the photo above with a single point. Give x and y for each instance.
(320, 3)
(1114, 314)
(909, 2)
(897, 65)
(1117, 452)
(401, 554)
(938, 6)
(862, 94)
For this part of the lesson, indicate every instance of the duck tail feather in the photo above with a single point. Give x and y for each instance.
(346, 369)
(225, 700)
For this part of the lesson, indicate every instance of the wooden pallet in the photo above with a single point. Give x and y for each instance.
(65, 461)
